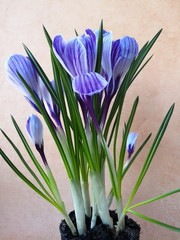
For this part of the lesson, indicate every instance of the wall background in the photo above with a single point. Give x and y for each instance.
(24, 215)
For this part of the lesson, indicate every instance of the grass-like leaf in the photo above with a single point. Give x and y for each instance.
(28, 182)
(50, 126)
(135, 155)
(150, 155)
(29, 168)
(152, 220)
(132, 73)
(125, 135)
(155, 198)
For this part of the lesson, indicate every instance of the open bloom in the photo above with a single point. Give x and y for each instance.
(131, 142)
(78, 57)
(18, 64)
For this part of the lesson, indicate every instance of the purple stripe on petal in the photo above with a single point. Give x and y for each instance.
(89, 83)
(35, 130)
(76, 58)
(106, 56)
(131, 142)
(22, 65)
(123, 52)
(59, 46)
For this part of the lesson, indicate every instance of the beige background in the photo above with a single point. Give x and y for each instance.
(23, 214)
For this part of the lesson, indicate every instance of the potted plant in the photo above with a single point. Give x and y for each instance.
(82, 108)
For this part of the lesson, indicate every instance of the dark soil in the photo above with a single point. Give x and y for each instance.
(101, 231)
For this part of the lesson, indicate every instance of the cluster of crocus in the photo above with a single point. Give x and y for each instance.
(91, 71)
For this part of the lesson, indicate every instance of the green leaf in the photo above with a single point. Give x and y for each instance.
(135, 155)
(125, 135)
(150, 155)
(28, 182)
(28, 167)
(155, 198)
(49, 40)
(49, 125)
(99, 49)
(172, 228)
(30, 152)
(42, 74)
(128, 79)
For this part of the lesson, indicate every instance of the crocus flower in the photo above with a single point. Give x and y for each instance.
(18, 64)
(78, 57)
(131, 142)
(123, 52)
(34, 129)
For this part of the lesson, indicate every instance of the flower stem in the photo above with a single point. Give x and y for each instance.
(78, 206)
(100, 196)
(86, 198)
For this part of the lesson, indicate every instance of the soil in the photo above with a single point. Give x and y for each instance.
(101, 231)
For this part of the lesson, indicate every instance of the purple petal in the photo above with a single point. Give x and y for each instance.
(89, 42)
(123, 52)
(89, 84)
(76, 58)
(59, 46)
(22, 65)
(131, 142)
(106, 56)
(35, 130)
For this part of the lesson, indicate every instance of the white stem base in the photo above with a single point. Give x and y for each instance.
(100, 197)
(78, 206)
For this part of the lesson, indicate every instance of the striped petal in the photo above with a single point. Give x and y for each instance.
(35, 130)
(106, 70)
(89, 84)
(76, 59)
(123, 52)
(131, 142)
(22, 65)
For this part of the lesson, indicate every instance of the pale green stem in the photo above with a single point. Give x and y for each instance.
(78, 206)
(54, 186)
(94, 210)
(59, 201)
(121, 216)
(100, 196)
(86, 198)
(110, 198)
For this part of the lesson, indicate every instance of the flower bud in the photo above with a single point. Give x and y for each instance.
(35, 131)
(131, 142)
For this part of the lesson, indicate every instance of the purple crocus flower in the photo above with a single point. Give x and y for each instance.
(123, 52)
(78, 57)
(131, 142)
(34, 129)
(18, 64)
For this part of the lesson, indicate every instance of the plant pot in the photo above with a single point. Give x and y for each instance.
(101, 231)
